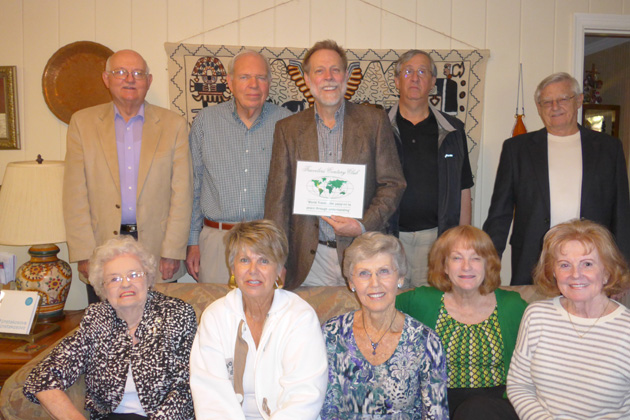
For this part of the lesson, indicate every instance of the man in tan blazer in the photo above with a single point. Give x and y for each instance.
(128, 171)
(334, 131)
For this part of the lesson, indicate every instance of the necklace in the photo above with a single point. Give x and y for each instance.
(375, 345)
(591, 327)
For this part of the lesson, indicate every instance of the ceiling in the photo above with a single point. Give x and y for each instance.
(596, 43)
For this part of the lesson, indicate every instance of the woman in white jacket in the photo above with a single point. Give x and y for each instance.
(259, 351)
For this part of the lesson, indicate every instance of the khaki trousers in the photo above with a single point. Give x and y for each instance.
(417, 246)
(325, 270)
(213, 265)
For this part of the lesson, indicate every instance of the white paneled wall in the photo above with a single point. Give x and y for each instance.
(537, 33)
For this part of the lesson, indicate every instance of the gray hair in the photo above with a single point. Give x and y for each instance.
(326, 44)
(108, 64)
(114, 248)
(408, 56)
(242, 54)
(371, 244)
(555, 78)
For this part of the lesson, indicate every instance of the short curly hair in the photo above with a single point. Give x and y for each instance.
(114, 248)
(592, 236)
(468, 237)
(369, 245)
(264, 237)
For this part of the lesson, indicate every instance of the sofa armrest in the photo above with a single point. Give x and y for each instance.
(15, 406)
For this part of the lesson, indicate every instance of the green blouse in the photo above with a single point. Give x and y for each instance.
(474, 353)
(423, 303)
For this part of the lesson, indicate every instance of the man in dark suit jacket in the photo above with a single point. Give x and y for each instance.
(550, 176)
(334, 131)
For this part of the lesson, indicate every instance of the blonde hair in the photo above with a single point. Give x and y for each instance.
(263, 237)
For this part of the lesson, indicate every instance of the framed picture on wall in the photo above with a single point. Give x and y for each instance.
(9, 127)
(602, 118)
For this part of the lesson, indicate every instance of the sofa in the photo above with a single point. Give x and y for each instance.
(327, 302)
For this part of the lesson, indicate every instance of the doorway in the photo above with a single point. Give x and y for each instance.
(602, 48)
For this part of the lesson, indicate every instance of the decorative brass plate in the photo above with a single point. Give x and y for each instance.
(72, 78)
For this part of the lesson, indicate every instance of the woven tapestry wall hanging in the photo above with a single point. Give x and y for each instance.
(198, 78)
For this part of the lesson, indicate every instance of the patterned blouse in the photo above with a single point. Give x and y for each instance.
(410, 385)
(474, 353)
(102, 349)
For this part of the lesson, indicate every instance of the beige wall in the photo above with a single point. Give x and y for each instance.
(537, 33)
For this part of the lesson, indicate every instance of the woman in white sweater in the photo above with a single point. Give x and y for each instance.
(572, 352)
(259, 351)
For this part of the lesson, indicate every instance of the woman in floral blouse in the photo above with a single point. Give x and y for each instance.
(382, 364)
(133, 347)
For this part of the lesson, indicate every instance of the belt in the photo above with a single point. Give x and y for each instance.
(218, 225)
(129, 228)
(329, 244)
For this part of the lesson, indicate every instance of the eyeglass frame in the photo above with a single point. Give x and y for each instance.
(135, 74)
(422, 73)
(562, 102)
(110, 282)
(379, 276)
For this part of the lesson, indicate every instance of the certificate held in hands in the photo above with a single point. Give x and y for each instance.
(329, 189)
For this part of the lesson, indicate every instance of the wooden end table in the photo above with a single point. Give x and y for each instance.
(16, 353)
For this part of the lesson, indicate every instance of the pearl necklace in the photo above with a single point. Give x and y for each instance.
(375, 345)
(591, 327)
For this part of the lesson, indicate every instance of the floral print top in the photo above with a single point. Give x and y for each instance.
(410, 385)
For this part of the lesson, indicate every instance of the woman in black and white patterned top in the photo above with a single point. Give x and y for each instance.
(133, 347)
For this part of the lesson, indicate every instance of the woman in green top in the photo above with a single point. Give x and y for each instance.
(477, 322)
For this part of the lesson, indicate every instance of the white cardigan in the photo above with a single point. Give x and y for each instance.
(291, 367)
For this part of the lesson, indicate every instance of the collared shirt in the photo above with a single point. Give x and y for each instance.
(419, 204)
(230, 164)
(329, 144)
(128, 143)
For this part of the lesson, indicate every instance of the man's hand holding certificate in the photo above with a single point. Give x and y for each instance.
(344, 226)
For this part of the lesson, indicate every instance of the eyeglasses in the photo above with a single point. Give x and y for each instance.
(382, 273)
(123, 73)
(132, 277)
(420, 72)
(548, 103)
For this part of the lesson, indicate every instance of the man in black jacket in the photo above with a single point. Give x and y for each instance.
(434, 156)
(556, 174)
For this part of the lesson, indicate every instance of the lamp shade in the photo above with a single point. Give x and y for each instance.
(31, 210)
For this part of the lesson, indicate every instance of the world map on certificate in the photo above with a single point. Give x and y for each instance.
(329, 187)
